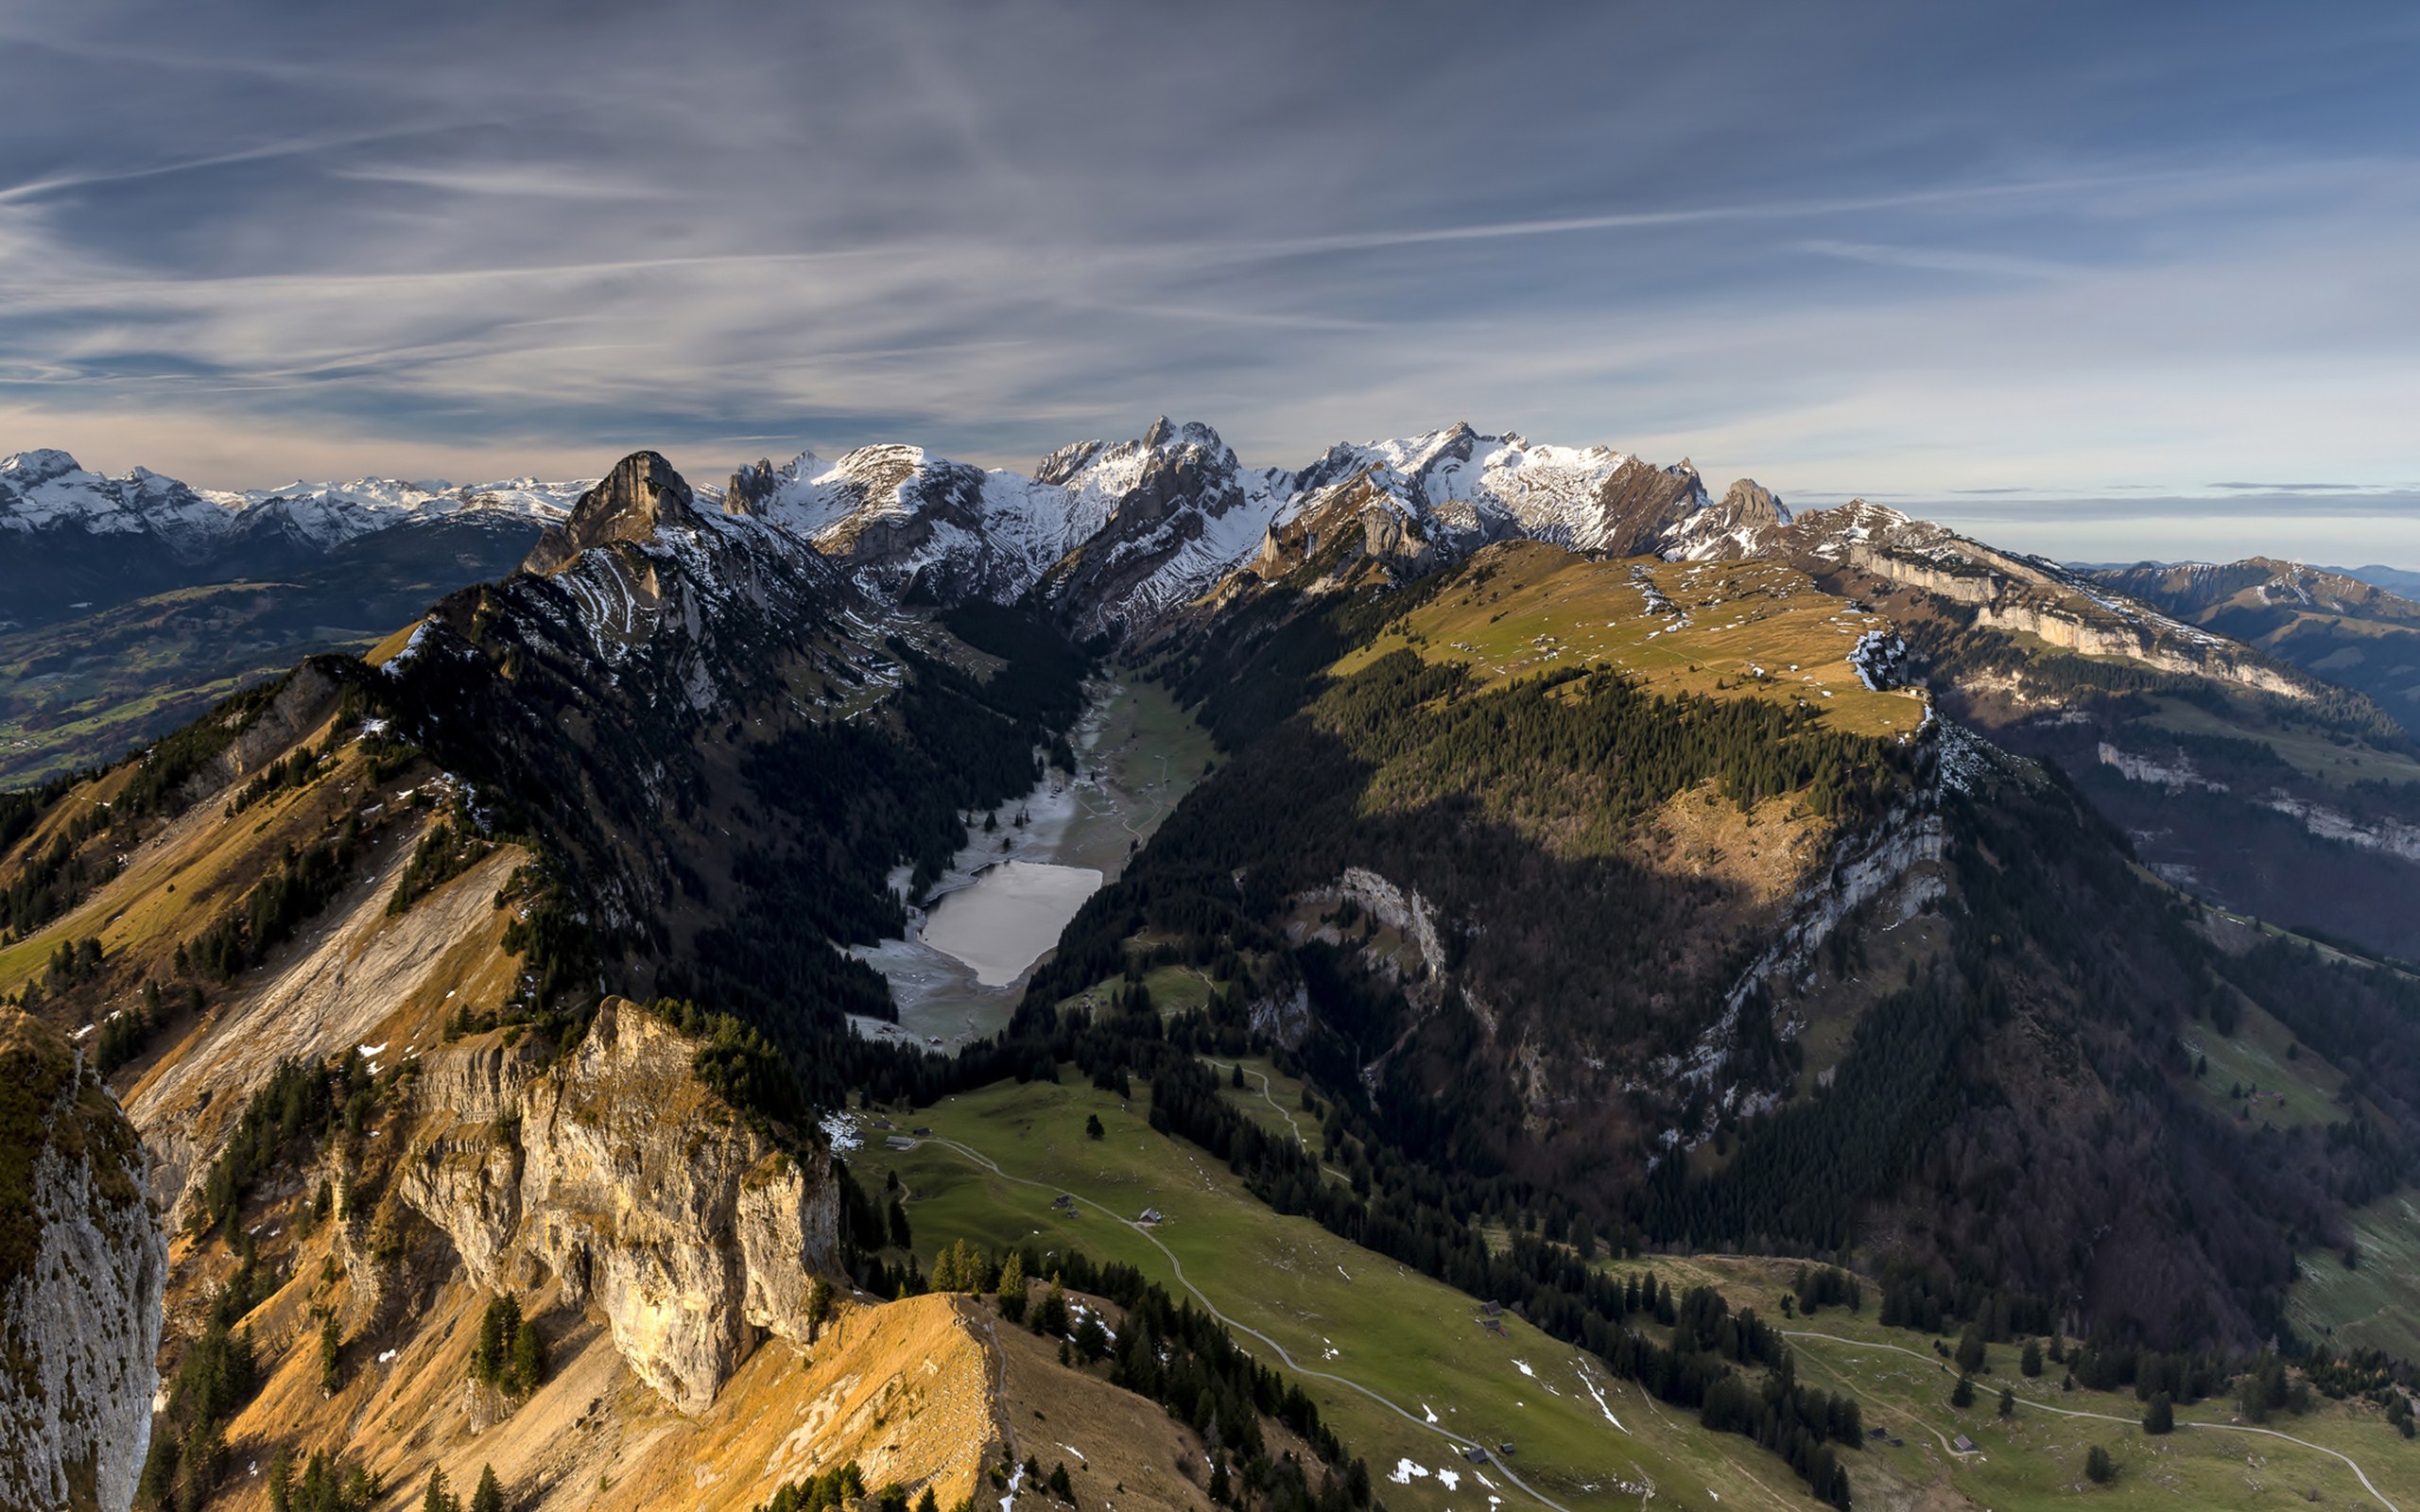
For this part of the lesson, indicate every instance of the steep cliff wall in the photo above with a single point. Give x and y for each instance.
(81, 1267)
(619, 1174)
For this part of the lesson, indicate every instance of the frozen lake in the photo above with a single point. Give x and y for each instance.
(1014, 912)
(1008, 896)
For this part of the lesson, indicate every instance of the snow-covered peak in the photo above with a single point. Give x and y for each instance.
(329, 514)
(1474, 484)
(40, 464)
(47, 489)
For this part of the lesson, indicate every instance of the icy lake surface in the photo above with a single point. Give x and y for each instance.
(1012, 914)
(1027, 867)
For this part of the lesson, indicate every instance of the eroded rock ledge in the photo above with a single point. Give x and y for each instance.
(615, 1172)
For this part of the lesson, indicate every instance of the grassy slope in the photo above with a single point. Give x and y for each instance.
(1542, 607)
(1333, 1307)
(2308, 752)
(2376, 1304)
(178, 880)
(1417, 1343)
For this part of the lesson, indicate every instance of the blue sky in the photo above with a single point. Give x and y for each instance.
(2105, 280)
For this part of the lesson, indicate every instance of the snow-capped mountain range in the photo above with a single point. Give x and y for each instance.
(43, 490)
(1113, 533)
(1120, 532)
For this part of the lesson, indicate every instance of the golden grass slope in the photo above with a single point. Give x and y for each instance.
(1724, 628)
(929, 1391)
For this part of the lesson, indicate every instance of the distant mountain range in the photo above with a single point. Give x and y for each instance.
(79, 541)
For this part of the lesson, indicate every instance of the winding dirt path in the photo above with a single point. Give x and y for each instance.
(2111, 1418)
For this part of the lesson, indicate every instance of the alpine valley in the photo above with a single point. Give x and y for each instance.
(1472, 975)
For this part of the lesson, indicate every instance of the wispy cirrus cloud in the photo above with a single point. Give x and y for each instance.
(2004, 254)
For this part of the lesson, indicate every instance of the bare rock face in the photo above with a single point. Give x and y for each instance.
(642, 493)
(622, 1175)
(81, 1270)
(1640, 503)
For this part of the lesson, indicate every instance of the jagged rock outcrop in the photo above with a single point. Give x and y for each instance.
(1640, 503)
(81, 1270)
(641, 494)
(618, 1174)
(1742, 525)
(1161, 520)
(2029, 596)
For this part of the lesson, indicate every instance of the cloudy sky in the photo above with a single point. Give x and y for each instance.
(2103, 281)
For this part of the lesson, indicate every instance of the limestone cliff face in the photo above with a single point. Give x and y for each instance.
(81, 1269)
(617, 1173)
(642, 493)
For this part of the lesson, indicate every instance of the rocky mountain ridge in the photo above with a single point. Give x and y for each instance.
(1661, 867)
(2325, 622)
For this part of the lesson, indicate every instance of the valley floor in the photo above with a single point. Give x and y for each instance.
(1139, 754)
(1412, 1376)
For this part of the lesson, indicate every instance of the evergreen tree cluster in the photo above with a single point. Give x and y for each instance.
(277, 904)
(126, 1034)
(297, 1109)
(292, 772)
(447, 851)
(438, 1496)
(509, 1354)
(217, 1375)
(325, 1484)
(50, 880)
(836, 1487)
(1185, 1360)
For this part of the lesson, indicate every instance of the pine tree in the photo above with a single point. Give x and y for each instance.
(1971, 1356)
(526, 1369)
(281, 1479)
(489, 1495)
(1093, 1129)
(2007, 1401)
(438, 1499)
(331, 1357)
(2030, 1361)
(2099, 1466)
(819, 1308)
(1962, 1395)
(2160, 1417)
(1012, 1290)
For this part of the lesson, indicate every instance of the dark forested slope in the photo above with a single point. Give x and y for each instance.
(1961, 1042)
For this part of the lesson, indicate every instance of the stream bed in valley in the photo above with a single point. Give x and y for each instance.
(1009, 893)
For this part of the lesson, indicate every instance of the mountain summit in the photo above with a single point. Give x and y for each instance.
(640, 496)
